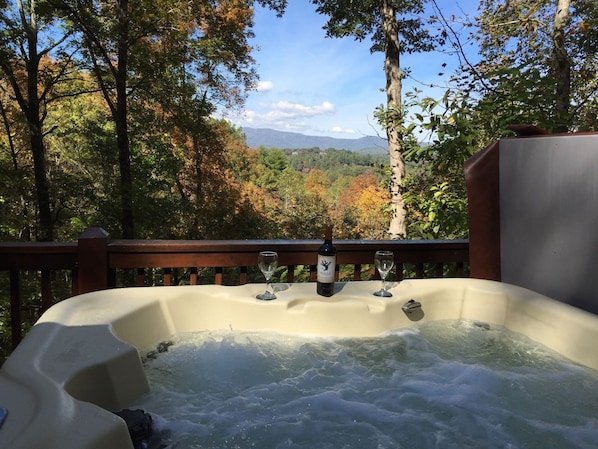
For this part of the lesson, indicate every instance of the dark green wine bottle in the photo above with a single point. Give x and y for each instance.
(326, 265)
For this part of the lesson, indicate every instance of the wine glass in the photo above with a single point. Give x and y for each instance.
(267, 261)
(384, 261)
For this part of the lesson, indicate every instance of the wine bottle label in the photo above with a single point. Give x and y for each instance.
(326, 266)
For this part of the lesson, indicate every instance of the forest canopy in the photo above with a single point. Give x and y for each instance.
(108, 119)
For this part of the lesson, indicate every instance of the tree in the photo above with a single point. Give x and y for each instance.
(211, 197)
(561, 63)
(290, 183)
(17, 199)
(317, 183)
(270, 165)
(28, 37)
(361, 210)
(538, 64)
(196, 50)
(82, 153)
(395, 28)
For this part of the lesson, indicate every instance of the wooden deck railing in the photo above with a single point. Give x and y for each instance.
(96, 262)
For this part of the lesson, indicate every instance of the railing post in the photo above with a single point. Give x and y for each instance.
(93, 260)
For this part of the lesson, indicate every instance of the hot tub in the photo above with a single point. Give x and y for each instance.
(81, 360)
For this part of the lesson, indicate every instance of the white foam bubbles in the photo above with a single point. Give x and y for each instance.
(439, 385)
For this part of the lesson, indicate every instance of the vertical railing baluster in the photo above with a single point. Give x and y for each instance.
(46, 290)
(438, 269)
(111, 278)
(419, 270)
(399, 271)
(290, 274)
(74, 281)
(243, 275)
(313, 273)
(357, 272)
(140, 277)
(15, 308)
(218, 276)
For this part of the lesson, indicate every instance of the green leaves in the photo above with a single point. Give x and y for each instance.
(363, 19)
(535, 64)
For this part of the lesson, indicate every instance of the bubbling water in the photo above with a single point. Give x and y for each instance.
(445, 385)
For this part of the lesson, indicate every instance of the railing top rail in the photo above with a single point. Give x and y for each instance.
(232, 246)
(37, 255)
(71, 247)
(156, 253)
(227, 253)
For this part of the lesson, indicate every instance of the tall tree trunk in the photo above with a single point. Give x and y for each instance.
(398, 226)
(198, 185)
(101, 60)
(122, 133)
(562, 65)
(45, 232)
(31, 108)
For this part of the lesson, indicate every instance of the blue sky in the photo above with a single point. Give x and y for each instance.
(323, 86)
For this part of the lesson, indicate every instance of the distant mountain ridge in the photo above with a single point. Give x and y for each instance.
(270, 138)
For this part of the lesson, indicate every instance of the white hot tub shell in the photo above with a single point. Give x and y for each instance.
(81, 360)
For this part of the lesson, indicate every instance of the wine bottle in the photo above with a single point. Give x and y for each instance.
(326, 265)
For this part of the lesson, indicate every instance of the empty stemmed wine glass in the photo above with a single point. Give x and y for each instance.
(267, 261)
(384, 261)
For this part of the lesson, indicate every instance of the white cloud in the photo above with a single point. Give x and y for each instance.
(296, 116)
(291, 110)
(264, 86)
(341, 130)
(284, 114)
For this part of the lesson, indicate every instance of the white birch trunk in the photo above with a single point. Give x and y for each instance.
(398, 226)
